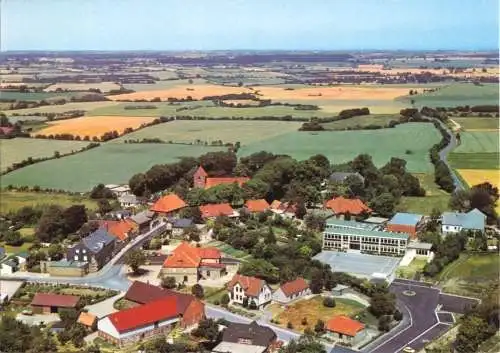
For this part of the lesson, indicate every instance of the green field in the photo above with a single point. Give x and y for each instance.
(478, 123)
(61, 108)
(434, 198)
(360, 121)
(159, 85)
(18, 149)
(210, 130)
(34, 96)
(343, 146)
(109, 164)
(474, 160)
(456, 94)
(11, 201)
(471, 274)
(478, 141)
(206, 109)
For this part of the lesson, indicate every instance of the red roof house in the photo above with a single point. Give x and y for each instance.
(168, 204)
(257, 205)
(5, 130)
(199, 177)
(211, 182)
(342, 206)
(292, 290)
(252, 288)
(51, 303)
(157, 316)
(122, 229)
(344, 325)
(215, 210)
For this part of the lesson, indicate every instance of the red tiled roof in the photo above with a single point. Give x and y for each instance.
(275, 205)
(214, 210)
(188, 256)
(251, 285)
(210, 182)
(344, 325)
(257, 205)
(200, 172)
(158, 310)
(341, 205)
(119, 229)
(212, 264)
(168, 203)
(57, 300)
(295, 286)
(87, 319)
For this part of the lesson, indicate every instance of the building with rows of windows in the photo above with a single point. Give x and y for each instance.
(366, 238)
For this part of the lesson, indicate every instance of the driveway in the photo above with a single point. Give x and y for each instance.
(37, 319)
(105, 307)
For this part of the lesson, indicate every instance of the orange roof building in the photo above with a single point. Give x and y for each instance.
(248, 288)
(168, 204)
(343, 326)
(257, 205)
(211, 182)
(122, 229)
(214, 210)
(87, 319)
(291, 290)
(342, 206)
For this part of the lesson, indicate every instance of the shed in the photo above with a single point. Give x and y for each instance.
(405, 223)
(51, 303)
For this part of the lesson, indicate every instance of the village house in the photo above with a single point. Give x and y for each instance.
(96, 249)
(256, 206)
(247, 338)
(346, 330)
(123, 230)
(202, 180)
(188, 264)
(212, 211)
(343, 207)
(46, 303)
(283, 209)
(65, 268)
(156, 317)
(291, 290)
(88, 320)
(179, 225)
(405, 223)
(244, 288)
(168, 205)
(118, 190)
(143, 220)
(128, 201)
(455, 222)
(9, 266)
(421, 250)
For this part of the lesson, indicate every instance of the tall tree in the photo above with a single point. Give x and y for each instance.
(135, 259)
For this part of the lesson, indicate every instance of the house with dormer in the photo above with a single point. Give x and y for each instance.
(249, 289)
(96, 249)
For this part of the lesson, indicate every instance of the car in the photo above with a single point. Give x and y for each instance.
(27, 312)
(408, 350)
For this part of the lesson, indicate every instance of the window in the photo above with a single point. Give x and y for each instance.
(85, 258)
(208, 273)
(77, 251)
(185, 278)
(84, 251)
(76, 257)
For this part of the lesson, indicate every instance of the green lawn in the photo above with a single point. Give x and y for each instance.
(456, 94)
(111, 163)
(35, 96)
(435, 198)
(478, 142)
(209, 130)
(475, 160)
(477, 123)
(361, 121)
(409, 271)
(18, 149)
(228, 249)
(11, 201)
(343, 146)
(16, 249)
(471, 274)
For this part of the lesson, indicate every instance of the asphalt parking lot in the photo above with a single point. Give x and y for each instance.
(422, 323)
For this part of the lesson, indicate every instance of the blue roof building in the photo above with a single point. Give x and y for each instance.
(454, 222)
(407, 219)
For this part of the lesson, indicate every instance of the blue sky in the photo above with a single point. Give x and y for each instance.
(248, 24)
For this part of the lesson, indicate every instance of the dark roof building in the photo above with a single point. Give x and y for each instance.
(340, 177)
(246, 338)
(96, 249)
(182, 223)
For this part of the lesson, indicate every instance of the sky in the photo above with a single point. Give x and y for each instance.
(248, 24)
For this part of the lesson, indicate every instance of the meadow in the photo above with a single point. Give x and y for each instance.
(471, 275)
(188, 131)
(93, 125)
(410, 141)
(475, 123)
(34, 96)
(478, 141)
(104, 87)
(18, 149)
(11, 201)
(110, 163)
(61, 108)
(474, 160)
(456, 94)
(360, 121)
(434, 198)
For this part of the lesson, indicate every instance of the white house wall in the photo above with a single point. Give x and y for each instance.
(107, 327)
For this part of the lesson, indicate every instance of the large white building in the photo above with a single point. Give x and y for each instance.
(366, 238)
(252, 289)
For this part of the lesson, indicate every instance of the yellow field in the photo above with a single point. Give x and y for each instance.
(103, 86)
(478, 176)
(94, 125)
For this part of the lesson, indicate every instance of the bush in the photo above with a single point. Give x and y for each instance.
(329, 302)
(384, 323)
(225, 299)
(398, 316)
(289, 325)
(168, 282)
(304, 321)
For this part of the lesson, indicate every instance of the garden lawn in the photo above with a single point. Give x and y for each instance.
(190, 131)
(11, 201)
(471, 275)
(360, 121)
(110, 163)
(16, 249)
(478, 141)
(417, 265)
(434, 198)
(475, 123)
(475, 160)
(19, 149)
(228, 249)
(313, 310)
(410, 142)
